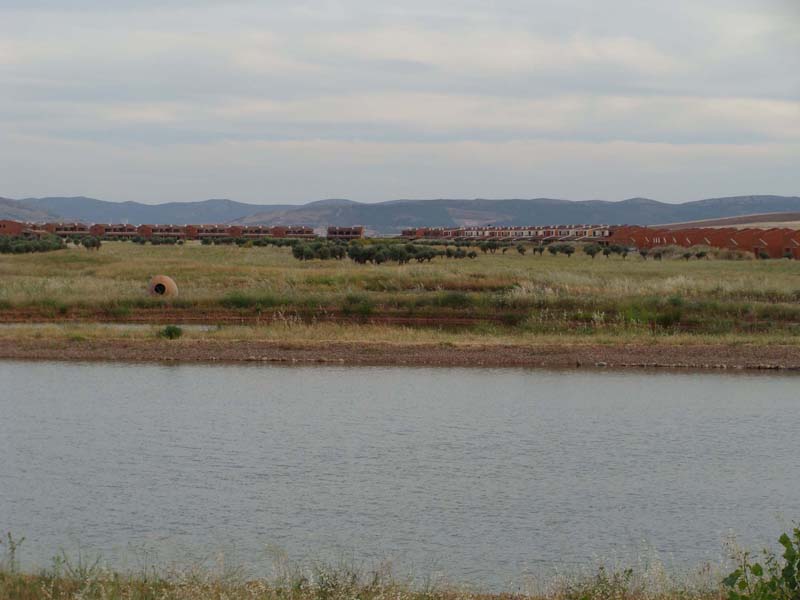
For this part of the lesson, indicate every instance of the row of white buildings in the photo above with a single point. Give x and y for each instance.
(534, 232)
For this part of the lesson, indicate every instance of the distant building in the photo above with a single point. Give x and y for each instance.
(162, 231)
(285, 231)
(540, 233)
(11, 228)
(355, 232)
(118, 231)
(67, 230)
(773, 243)
(299, 231)
(203, 232)
(24, 230)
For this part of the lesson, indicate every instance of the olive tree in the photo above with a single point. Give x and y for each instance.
(591, 250)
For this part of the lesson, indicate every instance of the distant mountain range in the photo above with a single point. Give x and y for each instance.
(90, 210)
(394, 215)
(17, 211)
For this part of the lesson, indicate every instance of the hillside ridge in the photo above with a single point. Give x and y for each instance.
(391, 216)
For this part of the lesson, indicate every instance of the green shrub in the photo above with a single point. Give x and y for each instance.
(241, 300)
(18, 245)
(512, 319)
(676, 301)
(118, 310)
(669, 319)
(606, 585)
(591, 250)
(319, 249)
(776, 579)
(171, 332)
(91, 243)
(358, 304)
(453, 300)
(561, 248)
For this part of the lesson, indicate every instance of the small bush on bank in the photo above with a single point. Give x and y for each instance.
(454, 300)
(358, 304)
(243, 300)
(171, 332)
(775, 579)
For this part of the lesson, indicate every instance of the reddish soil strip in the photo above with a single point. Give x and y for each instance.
(555, 356)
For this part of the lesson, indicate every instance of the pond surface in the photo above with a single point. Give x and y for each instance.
(480, 475)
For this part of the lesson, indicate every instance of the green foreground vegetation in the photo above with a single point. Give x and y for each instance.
(500, 293)
(15, 245)
(774, 577)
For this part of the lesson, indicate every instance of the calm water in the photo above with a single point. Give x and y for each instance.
(483, 475)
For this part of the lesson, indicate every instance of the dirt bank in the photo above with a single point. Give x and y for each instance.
(557, 356)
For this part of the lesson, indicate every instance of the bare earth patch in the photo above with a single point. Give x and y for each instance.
(700, 356)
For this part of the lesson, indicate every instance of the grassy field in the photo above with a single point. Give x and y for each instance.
(494, 295)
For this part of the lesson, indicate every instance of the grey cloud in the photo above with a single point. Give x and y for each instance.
(189, 75)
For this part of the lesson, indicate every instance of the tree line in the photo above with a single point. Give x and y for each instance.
(376, 253)
(20, 245)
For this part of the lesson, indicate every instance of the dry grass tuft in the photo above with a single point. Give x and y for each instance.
(68, 581)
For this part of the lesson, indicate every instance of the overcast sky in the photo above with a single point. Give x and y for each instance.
(292, 101)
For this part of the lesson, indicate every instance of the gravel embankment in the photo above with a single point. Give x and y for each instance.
(740, 356)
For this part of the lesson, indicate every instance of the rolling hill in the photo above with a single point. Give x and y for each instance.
(766, 220)
(18, 211)
(90, 210)
(389, 217)
(392, 216)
